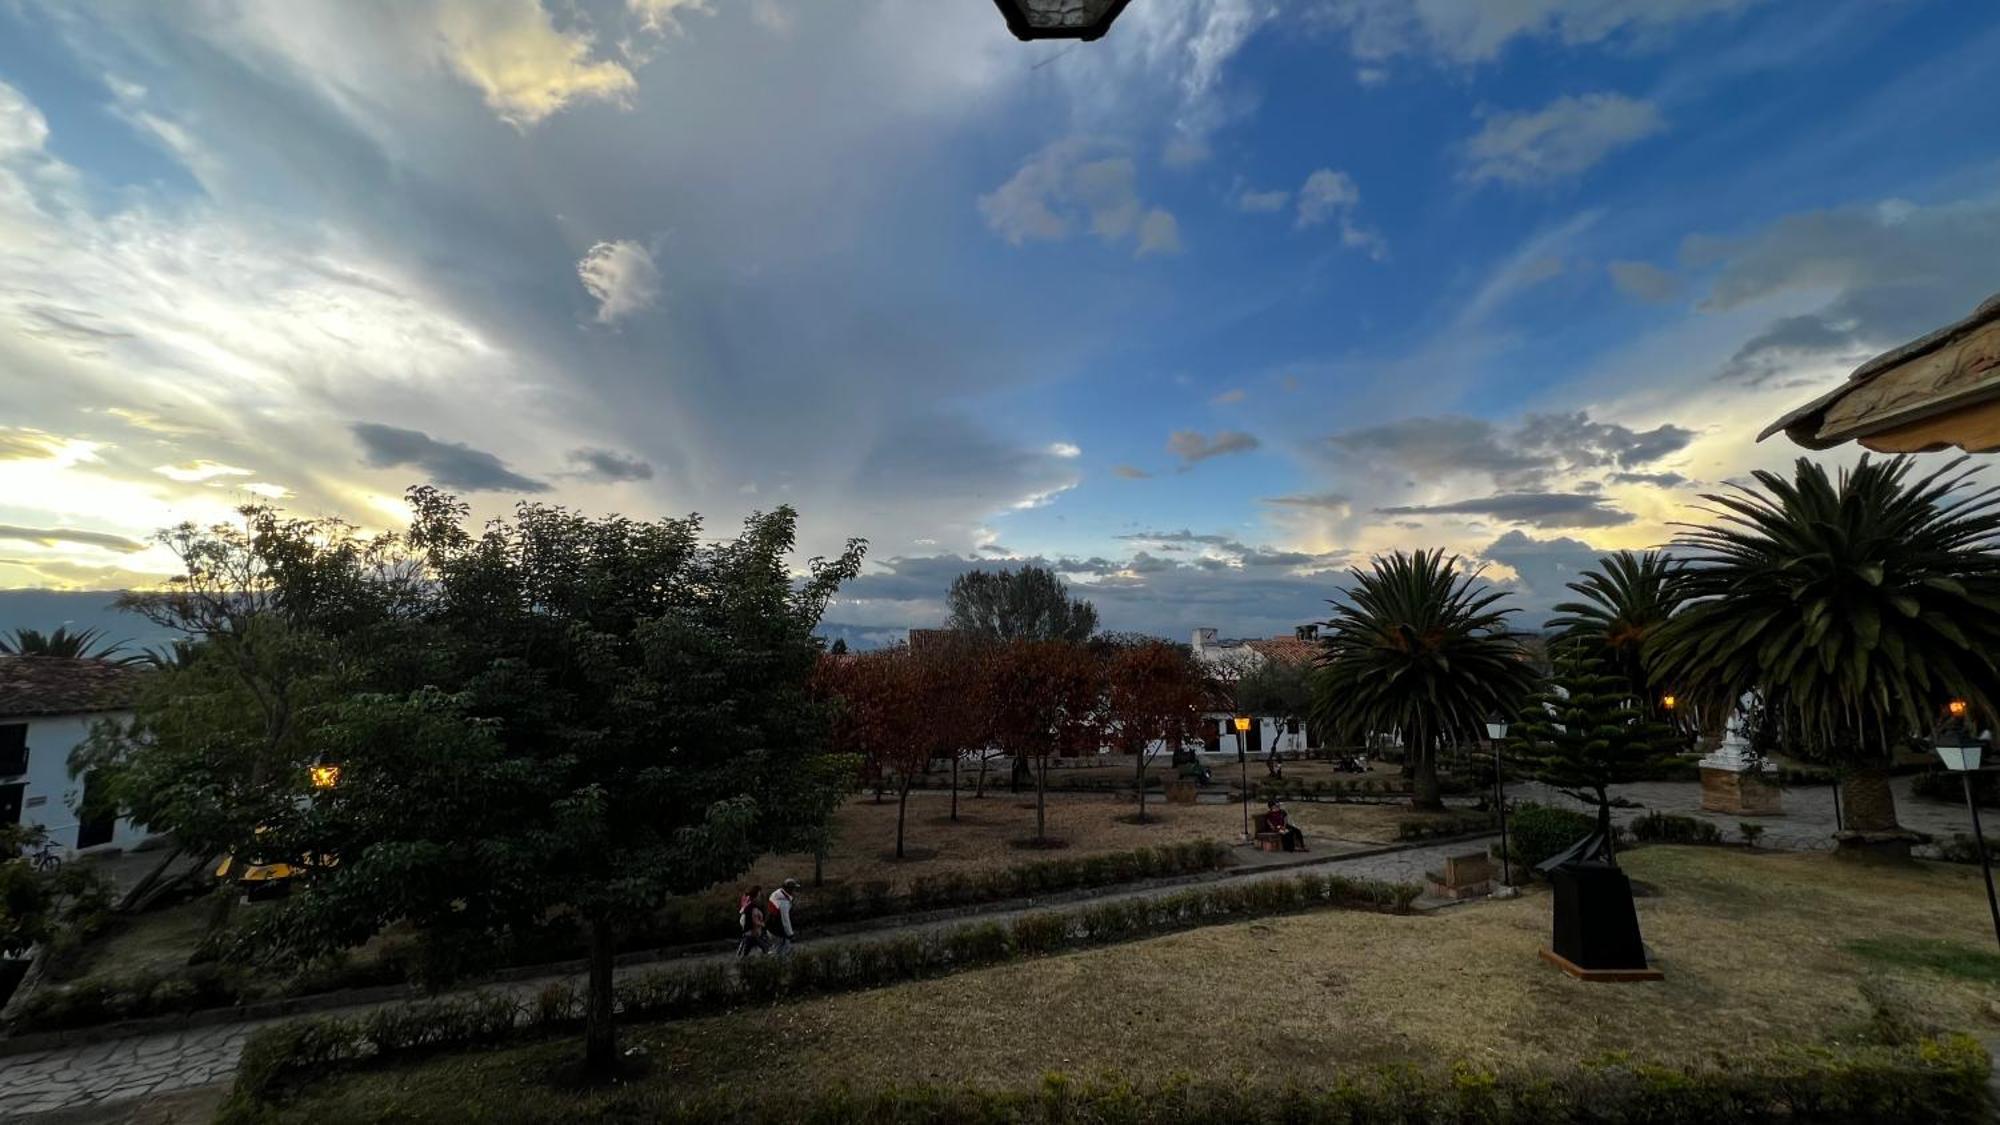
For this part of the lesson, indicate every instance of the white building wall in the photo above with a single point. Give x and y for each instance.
(52, 796)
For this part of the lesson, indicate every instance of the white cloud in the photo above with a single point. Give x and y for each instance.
(1065, 450)
(1643, 280)
(622, 277)
(1263, 202)
(1562, 139)
(524, 66)
(196, 472)
(1159, 233)
(1079, 184)
(1330, 196)
(23, 129)
(665, 15)
(1472, 31)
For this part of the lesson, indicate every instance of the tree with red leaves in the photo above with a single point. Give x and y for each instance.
(883, 718)
(1155, 695)
(1048, 699)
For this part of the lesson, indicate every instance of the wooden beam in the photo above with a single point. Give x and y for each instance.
(1974, 428)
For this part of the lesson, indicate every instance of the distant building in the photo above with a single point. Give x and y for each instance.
(47, 707)
(1231, 660)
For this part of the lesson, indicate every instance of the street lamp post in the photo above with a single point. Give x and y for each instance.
(1961, 752)
(1496, 732)
(1243, 760)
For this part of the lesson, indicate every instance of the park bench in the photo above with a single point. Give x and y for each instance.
(1464, 876)
(1268, 841)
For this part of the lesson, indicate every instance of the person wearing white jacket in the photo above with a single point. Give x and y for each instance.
(779, 916)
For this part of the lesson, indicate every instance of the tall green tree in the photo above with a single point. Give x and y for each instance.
(1586, 732)
(1857, 602)
(1281, 689)
(1029, 604)
(276, 617)
(1626, 598)
(1419, 646)
(618, 711)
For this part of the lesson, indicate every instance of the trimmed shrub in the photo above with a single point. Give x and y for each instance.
(1667, 828)
(1536, 832)
(1456, 825)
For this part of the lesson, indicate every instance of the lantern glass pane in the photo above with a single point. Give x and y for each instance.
(1062, 13)
(1960, 757)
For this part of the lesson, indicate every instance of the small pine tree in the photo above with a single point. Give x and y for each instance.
(1586, 733)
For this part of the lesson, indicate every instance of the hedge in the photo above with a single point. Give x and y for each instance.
(1667, 828)
(1456, 825)
(701, 917)
(273, 1056)
(1536, 832)
(1931, 1080)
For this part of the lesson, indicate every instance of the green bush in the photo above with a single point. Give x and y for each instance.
(1666, 828)
(1456, 825)
(1537, 832)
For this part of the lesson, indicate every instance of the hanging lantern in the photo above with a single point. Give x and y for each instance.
(1060, 19)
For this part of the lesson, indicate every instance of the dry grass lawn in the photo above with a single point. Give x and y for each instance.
(1089, 824)
(1753, 945)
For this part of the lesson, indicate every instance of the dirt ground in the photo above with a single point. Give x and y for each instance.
(990, 828)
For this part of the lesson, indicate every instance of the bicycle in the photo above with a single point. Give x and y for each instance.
(46, 857)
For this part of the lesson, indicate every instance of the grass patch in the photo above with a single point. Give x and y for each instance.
(1305, 996)
(1948, 958)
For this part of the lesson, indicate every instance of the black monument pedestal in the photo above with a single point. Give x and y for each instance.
(1596, 927)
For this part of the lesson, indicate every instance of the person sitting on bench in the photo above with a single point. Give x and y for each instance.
(1278, 824)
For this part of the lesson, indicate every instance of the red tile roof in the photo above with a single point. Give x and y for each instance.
(1286, 650)
(53, 685)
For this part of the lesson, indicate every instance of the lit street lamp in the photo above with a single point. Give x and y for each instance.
(1496, 733)
(325, 775)
(1243, 760)
(1060, 19)
(1961, 752)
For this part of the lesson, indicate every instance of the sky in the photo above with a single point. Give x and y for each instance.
(1202, 314)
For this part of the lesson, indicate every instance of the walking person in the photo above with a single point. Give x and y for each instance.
(779, 916)
(750, 919)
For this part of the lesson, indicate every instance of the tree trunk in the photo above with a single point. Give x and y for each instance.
(819, 863)
(1042, 799)
(902, 808)
(141, 893)
(1869, 805)
(954, 786)
(600, 1034)
(979, 785)
(1141, 756)
(1424, 779)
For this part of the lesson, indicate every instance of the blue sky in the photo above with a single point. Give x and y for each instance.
(1203, 313)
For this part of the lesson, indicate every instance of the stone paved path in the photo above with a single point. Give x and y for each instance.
(69, 1078)
(1807, 823)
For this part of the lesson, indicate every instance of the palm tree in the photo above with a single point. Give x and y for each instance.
(1627, 597)
(82, 645)
(1418, 646)
(1859, 605)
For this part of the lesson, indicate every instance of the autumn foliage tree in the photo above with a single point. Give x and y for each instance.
(1154, 697)
(882, 716)
(1047, 700)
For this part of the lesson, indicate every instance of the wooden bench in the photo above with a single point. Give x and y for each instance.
(1467, 875)
(1269, 841)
